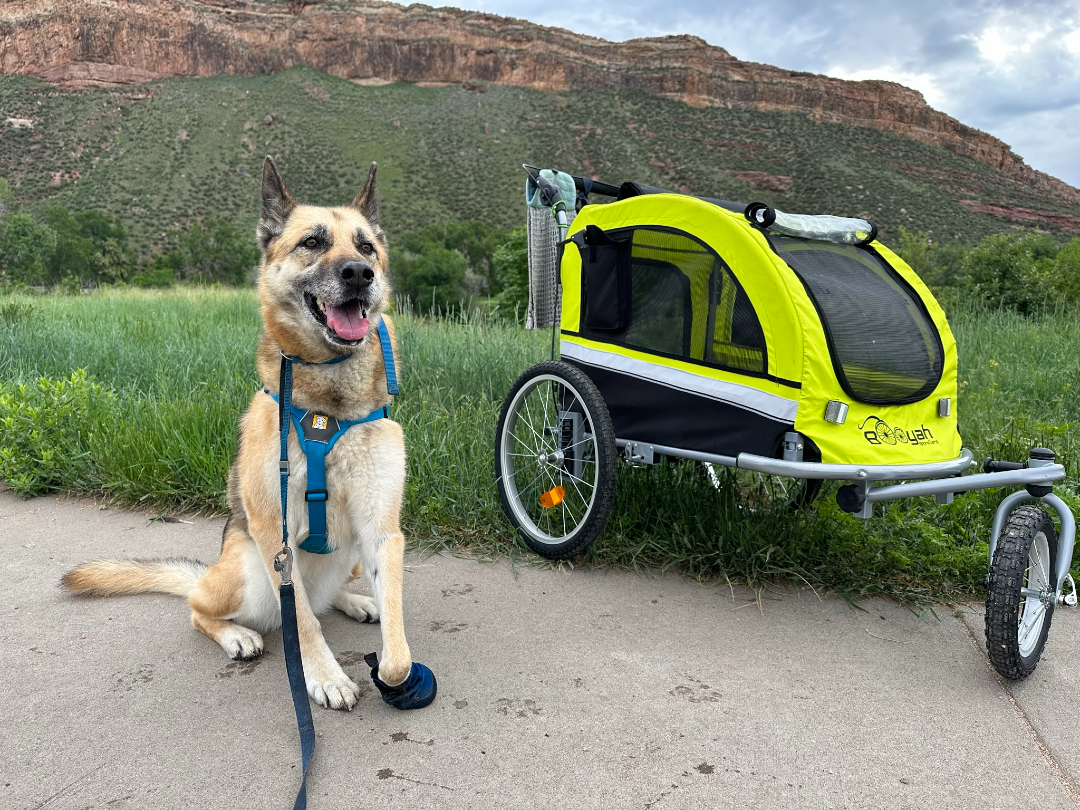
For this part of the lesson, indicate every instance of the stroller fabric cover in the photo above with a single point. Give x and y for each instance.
(707, 332)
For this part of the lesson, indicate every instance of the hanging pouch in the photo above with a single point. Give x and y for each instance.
(605, 274)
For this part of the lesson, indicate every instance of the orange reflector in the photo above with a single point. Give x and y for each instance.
(553, 497)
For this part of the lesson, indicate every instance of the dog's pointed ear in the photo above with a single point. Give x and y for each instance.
(367, 201)
(277, 204)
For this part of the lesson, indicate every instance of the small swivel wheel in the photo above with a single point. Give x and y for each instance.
(1020, 593)
(555, 460)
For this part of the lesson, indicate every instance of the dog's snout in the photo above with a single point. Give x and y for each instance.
(359, 273)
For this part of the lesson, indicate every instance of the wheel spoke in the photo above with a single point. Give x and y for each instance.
(1044, 579)
(529, 425)
(1030, 622)
(532, 450)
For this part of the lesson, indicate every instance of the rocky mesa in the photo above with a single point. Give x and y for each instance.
(82, 43)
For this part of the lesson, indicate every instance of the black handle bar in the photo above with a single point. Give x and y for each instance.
(597, 186)
(992, 466)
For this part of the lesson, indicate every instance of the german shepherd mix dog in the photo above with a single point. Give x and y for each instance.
(323, 287)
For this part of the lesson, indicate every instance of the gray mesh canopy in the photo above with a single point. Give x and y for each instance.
(884, 346)
(543, 249)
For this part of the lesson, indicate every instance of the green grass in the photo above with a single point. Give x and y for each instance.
(168, 374)
(169, 152)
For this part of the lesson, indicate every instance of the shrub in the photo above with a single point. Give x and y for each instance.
(216, 253)
(45, 429)
(511, 264)
(25, 249)
(163, 271)
(1011, 271)
(1065, 282)
(433, 280)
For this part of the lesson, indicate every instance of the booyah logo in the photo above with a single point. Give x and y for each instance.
(879, 432)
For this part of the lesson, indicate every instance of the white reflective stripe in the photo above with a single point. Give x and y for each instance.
(741, 396)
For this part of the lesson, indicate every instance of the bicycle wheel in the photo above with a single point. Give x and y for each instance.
(1020, 592)
(555, 460)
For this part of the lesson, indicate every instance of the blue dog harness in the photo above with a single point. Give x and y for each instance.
(317, 434)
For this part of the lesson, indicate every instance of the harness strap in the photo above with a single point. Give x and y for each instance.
(315, 449)
(317, 435)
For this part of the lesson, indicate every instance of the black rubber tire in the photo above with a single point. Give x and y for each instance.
(576, 540)
(1004, 603)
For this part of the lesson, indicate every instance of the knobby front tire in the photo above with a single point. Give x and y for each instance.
(1020, 593)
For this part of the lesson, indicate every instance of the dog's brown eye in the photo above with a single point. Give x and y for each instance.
(367, 247)
(310, 243)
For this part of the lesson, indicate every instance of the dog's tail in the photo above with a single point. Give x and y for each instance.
(176, 575)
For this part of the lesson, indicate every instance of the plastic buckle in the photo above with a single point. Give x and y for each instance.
(315, 495)
(283, 467)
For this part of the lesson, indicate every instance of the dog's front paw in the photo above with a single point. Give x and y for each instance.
(331, 688)
(361, 608)
(240, 643)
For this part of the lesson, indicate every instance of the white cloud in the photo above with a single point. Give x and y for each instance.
(1072, 41)
(1009, 67)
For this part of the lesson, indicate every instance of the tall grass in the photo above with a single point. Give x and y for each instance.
(168, 374)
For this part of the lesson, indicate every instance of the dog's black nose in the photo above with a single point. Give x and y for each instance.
(359, 273)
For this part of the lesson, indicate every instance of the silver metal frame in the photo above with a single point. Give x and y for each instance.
(942, 479)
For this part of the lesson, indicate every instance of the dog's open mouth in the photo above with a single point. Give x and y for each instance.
(348, 321)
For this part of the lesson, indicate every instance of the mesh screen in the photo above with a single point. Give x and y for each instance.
(685, 302)
(885, 347)
(543, 248)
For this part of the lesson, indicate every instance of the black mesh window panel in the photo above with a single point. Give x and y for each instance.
(685, 303)
(885, 348)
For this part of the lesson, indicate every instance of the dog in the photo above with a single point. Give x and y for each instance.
(323, 286)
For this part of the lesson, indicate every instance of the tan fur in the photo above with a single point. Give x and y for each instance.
(124, 577)
(235, 599)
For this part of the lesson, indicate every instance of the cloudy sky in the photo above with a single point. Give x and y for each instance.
(1011, 68)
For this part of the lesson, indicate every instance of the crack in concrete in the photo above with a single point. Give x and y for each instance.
(1025, 721)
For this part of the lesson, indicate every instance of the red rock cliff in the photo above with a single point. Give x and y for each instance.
(79, 43)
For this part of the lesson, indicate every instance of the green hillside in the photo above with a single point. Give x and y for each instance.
(170, 152)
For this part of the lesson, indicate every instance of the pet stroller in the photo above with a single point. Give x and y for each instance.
(792, 348)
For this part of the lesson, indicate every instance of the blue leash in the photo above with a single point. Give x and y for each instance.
(419, 689)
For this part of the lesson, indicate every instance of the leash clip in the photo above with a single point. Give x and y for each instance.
(283, 564)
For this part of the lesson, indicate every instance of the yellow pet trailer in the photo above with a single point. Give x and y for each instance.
(784, 345)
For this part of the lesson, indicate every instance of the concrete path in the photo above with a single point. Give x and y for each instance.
(568, 689)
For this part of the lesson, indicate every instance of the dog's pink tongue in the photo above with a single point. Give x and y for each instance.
(347, 321)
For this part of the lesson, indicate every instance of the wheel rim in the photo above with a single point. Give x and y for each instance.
(540, 450)
(1034, 592)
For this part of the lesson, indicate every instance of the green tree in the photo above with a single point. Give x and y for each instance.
(163, 271)
(71, 261)
(937, 263)
(1011, 271)
(511, 264)
(7, 198)
(91, 248)
(433, 279)
(25, 250)
(475, 240)
(215, 252)
(1065, 283)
